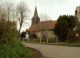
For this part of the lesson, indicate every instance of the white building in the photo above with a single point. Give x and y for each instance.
(77, 13)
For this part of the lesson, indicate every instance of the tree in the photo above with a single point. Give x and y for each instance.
(22, 12)
(8, 29)
(72, 22)
(44, 33)
(64, 24)
(71, 33)
(44, 17)
(23, 35)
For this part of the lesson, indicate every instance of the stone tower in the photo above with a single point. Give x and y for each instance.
(77, 13)
(35, 18)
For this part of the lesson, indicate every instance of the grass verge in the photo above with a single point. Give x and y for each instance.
(15, 49)
(74, 44)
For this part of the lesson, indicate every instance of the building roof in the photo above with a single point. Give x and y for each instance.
(44, 25)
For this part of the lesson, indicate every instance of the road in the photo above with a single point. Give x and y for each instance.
(52, 51)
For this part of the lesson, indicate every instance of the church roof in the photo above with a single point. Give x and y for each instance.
(44, 25)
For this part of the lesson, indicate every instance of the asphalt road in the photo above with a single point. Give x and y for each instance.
(52, 51)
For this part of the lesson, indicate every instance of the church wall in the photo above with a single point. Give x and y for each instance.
(45, 34)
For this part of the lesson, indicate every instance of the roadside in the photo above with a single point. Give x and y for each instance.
(75, 44)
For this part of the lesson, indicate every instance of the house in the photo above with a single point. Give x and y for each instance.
(42, 29)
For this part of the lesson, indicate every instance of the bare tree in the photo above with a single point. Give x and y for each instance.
(44, 33)
(44, 17)
(22, 13)
(6, 22)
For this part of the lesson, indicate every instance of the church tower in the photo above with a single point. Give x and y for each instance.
(35, 18)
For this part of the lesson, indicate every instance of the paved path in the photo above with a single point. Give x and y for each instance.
(52, 51)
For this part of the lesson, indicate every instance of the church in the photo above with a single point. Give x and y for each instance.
(41, 29)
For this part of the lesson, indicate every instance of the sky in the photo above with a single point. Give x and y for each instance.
(51, 8)
(54, 8)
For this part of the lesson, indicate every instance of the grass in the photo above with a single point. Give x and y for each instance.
(72, 44)
(15, 49)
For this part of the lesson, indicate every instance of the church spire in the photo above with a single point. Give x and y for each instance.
(35, 12)
(35, 18)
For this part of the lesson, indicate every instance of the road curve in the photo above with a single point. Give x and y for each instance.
(52, 51)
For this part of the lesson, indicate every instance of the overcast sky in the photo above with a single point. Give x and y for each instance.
(51, 8)
(54, 8)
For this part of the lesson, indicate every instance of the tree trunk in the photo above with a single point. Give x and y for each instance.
(40, 40)
(47, 40)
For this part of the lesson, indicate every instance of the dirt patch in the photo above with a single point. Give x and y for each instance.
(35, 53)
